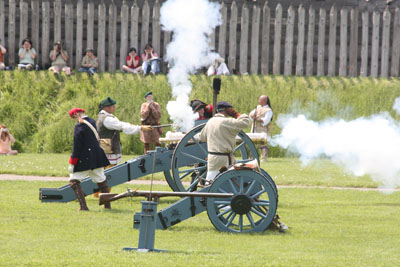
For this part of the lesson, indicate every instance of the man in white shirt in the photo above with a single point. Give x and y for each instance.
(220, 134)
(262, 117)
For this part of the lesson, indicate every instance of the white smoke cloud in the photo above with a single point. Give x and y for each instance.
(365, 146)
(191, 22)
(396, 105)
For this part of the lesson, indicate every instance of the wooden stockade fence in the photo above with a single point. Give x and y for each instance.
(253, 39)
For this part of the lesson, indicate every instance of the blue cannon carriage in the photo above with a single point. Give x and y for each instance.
(250, 205)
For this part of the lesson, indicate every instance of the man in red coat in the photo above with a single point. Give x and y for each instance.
(88, 158)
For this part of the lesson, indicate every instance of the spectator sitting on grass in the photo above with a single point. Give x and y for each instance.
(132, 62)
(89, 62)
(59, 58)
(150, 61)
(27, 55)
(3, 50)
(6, 140)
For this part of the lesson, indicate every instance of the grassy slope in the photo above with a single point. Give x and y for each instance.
(327, 228)
(46, 127)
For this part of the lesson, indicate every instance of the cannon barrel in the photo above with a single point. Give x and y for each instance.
(108, 197)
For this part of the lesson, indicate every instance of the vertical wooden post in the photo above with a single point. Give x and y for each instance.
(90, 25)
(112, 36)
(145, 24)
(343, 43)
(332, 42)
(310, 42)
(57, 20)
(364, 44)
(265, 39)
(353, 49)
(244, 37)
(79, 34)
(11, 32)
(385, 43)
(23, 21)
(134, 34)
(300, 41)
(289, 41)
(101, 41)
(222, 31)
(124, 37)
(156, 38)
(276, 66)
(255, 39)
(69, 32)
(395, 44)
(35, 6)
(376, 16)
(46, 45)
(2, 22)
(321, 43)
(232, 36)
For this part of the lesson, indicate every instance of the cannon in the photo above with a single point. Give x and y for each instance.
(184, 164)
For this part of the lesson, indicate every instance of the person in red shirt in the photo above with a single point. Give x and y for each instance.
(132, 62)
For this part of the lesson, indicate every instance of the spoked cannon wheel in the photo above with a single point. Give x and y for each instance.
(189, 160)
(251, 209)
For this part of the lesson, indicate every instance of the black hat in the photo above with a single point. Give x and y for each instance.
(147, 94)
(197, 104)
(107, 102)
(221, 106)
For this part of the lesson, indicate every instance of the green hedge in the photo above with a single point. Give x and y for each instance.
(34, 105)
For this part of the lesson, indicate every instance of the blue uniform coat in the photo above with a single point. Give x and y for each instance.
(86, 148)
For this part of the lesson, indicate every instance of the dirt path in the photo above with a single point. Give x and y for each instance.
(12, 177)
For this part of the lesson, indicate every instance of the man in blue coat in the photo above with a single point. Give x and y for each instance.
(88, 158)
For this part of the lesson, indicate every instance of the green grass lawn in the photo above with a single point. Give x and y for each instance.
(285, 171)
(327, 227)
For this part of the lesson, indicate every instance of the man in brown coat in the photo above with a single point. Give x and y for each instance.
(151, 114)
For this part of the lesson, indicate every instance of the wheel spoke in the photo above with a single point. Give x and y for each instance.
(183, 176)
(258, 213)
(250, 217)
(241, 223)
(241, 186)
(250, 187)
(238, 147)
(257, 194)
(230, 220)
(261, 204)
(194, 169)
(224, 212)
(223, 202)
(192, 186)
(201, 148)
(233, 187)
(194, 157)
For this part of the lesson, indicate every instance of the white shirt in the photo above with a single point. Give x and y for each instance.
(113, 123)
(267, 116)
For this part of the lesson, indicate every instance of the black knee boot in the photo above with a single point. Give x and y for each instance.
(103, 187)
(80, 196)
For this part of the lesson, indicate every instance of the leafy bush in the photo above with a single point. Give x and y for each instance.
(34, 105)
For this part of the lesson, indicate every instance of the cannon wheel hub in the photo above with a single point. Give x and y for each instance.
(241, 204)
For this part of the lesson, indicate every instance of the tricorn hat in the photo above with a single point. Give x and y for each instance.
(197, 105)
(147, 94)
(74, 111)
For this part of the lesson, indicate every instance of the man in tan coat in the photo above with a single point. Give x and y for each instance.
(262, 117)
(220, 134)
(151, 114)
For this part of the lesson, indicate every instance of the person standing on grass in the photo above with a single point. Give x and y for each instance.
(6, 140)
(220, 134)
(88, 158)
(150, 115)
(109, 127)
(262, 117)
